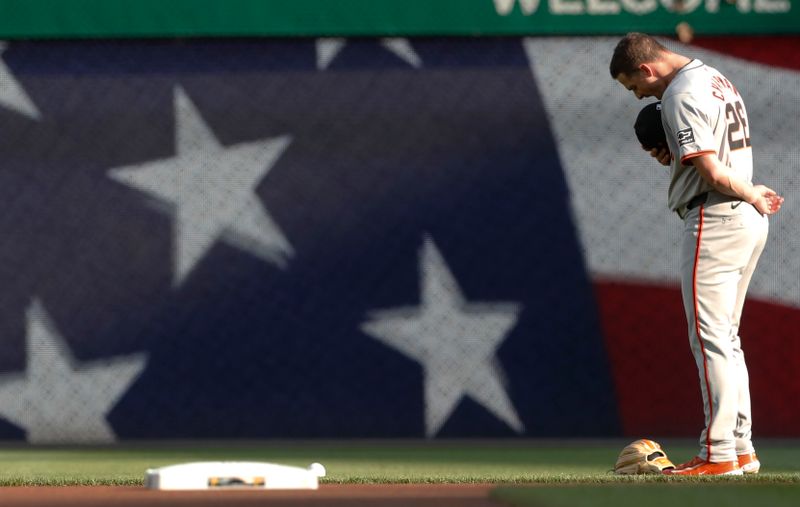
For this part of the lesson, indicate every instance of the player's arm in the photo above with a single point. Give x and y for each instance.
(726, 181)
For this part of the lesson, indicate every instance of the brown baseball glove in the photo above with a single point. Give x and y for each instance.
(642, 457)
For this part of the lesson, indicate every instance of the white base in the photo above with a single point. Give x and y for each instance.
(233, 474)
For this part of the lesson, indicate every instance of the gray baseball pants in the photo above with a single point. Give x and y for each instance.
(722, 242)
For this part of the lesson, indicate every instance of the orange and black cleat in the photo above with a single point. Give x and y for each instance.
(699, 466)
(749, 463)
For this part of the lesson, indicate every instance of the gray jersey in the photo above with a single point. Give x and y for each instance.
(702, 113)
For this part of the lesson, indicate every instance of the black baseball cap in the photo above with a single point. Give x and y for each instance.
(648, 127)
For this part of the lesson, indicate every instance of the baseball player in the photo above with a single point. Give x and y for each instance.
(725, 228)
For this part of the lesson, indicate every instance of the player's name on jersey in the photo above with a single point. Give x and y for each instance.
(640, 7)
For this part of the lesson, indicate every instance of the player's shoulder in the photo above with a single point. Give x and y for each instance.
(674, 97)
(691, 80)
(691, 75)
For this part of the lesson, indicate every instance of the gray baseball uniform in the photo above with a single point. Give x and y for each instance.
(703, 113)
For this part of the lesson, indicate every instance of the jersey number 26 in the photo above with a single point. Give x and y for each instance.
(738, 132)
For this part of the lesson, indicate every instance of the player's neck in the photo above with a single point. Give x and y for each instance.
(673, 63)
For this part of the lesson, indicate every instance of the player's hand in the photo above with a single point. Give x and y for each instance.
(768, 202)
(661, 154)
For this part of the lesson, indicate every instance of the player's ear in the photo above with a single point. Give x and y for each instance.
(646, 69)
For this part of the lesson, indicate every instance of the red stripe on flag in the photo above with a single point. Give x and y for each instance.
(655, 377)
(775, 50)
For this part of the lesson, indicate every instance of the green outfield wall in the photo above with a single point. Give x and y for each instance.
(159, 18)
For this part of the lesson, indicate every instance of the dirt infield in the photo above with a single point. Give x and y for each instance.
(392, 495)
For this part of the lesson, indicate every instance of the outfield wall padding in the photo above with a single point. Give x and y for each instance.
(315, 238)
(326, 18)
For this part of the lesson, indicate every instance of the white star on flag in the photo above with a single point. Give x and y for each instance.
(454, 341)
(12, 95)
(328, 48)
(58, 399)
(211, 190)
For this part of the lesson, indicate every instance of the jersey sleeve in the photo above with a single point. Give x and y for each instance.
(689, 126)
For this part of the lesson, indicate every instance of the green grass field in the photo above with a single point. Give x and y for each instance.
(528, 473)
(720, 494)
